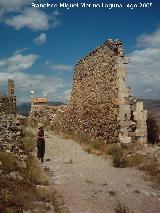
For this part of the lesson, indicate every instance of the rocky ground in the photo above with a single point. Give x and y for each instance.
(90, 184)
(76, 181)
(24, 187)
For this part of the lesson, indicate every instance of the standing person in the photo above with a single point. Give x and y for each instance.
(40, 143)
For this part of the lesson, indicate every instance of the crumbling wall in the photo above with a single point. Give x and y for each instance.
(8, 104)
(44, 114)
(101, 106)
(10, 134)
(93, 109)
(10, 87)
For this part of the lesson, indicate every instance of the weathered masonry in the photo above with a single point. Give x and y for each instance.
(10, 133)
(8, 103)
(101, 106)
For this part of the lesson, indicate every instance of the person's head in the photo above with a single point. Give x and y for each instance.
(40, 126)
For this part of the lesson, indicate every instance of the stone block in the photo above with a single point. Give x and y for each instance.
(125, 139)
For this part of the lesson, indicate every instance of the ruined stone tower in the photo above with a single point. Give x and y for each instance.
(10, 87)
(101, 106)
(8, 103)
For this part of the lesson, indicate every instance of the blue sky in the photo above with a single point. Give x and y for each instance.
(40, 46)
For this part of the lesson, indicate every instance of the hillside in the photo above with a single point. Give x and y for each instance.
(153, 107)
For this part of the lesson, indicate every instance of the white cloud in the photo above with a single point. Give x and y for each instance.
(31, 18)
(41, 39)
(67, 94)
(17, 62)
(61, 67)
(18, 14)
(14, 5)
(149, 40)
(148, 90)
(144, 71)
(21, 51)
(54, 86)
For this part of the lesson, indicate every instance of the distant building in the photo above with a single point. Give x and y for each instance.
(38, 103)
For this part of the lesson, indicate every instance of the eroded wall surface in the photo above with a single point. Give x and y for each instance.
(93, 108)
(101, 106)
(8, 103)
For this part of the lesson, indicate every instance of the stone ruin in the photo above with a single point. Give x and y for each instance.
(10, 131)
(8, 103)
(101, 106)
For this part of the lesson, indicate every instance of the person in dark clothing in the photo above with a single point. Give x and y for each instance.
(40, 143)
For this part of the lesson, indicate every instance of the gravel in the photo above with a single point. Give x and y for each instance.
(90, 184)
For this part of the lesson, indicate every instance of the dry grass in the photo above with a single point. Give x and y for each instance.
(99, 148)
(20, 184)
(112, 148)
(96, 147)
(29, 142)
(25, 187)
(48, 194)
(119, 159)
(121, 208)
(123, 155)
(8, 162)
(151, 168)
(135, 160)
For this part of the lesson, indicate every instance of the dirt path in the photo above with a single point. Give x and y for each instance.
(89, 183)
